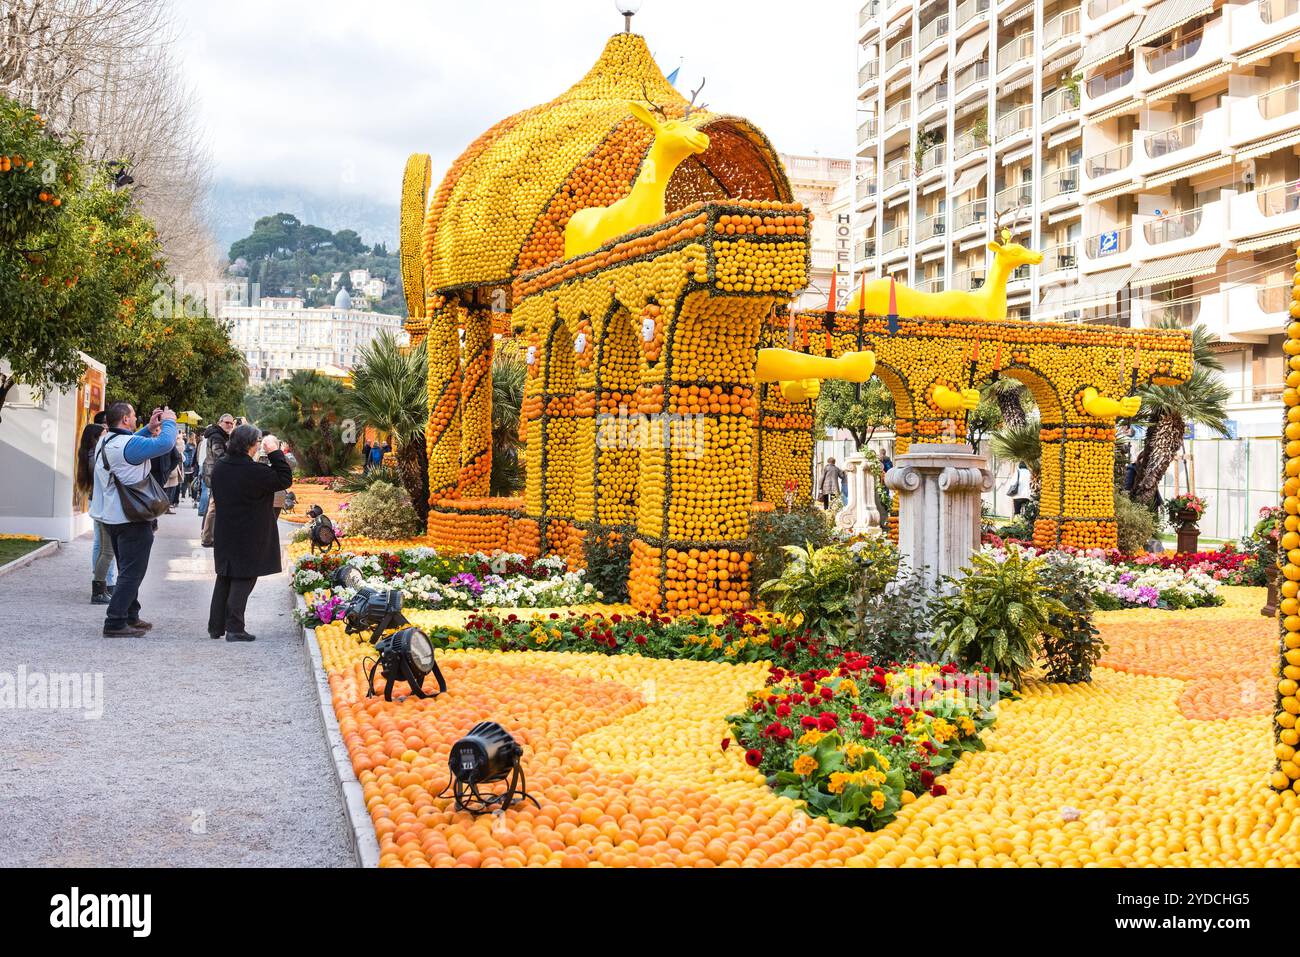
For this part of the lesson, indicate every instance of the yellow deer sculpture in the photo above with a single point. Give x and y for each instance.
(674, 140)
(989, 302)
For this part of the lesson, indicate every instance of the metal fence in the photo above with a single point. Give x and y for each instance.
(1236, 477)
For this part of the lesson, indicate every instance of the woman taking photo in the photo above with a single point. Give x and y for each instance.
(102, 559)
(246, 540)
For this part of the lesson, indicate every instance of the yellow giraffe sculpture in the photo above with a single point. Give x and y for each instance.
(988, 302)
(674, 140)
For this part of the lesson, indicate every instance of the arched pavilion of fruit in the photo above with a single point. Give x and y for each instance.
(660, 328)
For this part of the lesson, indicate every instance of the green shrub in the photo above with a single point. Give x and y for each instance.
(1071, 652)
(1136, 524)
(819, 585)
(360, 481)
(381, 511)
(995, 614)
(609, 561)
(771, 532)
(896, 625)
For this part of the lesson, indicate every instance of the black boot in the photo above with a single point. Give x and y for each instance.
(110, 588)
(99, 594)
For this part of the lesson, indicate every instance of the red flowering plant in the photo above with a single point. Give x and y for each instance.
(858, 742)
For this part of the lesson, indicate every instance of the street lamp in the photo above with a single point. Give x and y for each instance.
(628, 8)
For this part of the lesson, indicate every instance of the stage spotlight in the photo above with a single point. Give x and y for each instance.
(348, 576)
(406, 655)
(321, 531)
(486, 755)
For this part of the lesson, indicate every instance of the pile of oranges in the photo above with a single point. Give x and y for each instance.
(624, 756)
(708, 581)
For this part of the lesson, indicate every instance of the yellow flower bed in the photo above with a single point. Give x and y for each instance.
(16, 537)
(624, 755)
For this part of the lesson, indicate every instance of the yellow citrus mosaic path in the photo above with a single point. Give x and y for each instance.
(624, 755)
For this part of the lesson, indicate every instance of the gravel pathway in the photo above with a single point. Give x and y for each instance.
(207, 753)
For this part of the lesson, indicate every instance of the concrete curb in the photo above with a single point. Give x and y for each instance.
(22, 561)
(365, 845)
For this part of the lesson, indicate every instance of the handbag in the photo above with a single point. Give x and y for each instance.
(142, 501)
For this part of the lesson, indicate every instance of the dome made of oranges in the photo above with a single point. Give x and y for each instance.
(502, 207)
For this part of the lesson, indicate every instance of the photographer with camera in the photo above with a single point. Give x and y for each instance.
(246, 539)
(127, 500)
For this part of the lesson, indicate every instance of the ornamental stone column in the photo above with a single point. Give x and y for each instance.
(939, 490)
(861, 515)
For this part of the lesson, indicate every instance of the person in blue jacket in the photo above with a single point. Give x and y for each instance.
(126, 453)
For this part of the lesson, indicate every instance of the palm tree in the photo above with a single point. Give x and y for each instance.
(509, 372)
(1021, 443)
(1168, 409)
(390, 393)
(308, 413)
(1010, 395)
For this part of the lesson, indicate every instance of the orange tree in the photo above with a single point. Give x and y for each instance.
(56, 294)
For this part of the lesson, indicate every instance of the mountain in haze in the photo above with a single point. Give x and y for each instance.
(234, 207)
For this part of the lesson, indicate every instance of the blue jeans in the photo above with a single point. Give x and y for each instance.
(105, 572)
(203, 498)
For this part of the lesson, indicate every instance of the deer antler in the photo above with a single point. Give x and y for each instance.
(653, 105)
(691, 107)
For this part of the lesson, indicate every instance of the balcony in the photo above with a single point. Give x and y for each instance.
(968, 280)
(864, 249)
(968, 143)
(1265, 114)
(896, 174)
(866, 188)
(1109, 244)
(866, 131)
(868, 73)
(1060, 258)
(931, 97)
(1185, 230)
(968, 10)
(1063, 182)
(1265, 211)
(971, 74)
(900, 52)
(1195, 49)
(935, 284)
(975, 213)
(897, 115)
(1253, 25)
(868, 13)
(894, 240)
(1253, 310)
(934, 226)
(1014, 197)
(1059, 104)
(934, 31)
(1016, 54)
(1110, 83)
(1109, 168)
(1098, 9)
(933, 158)
(1063, 26)
(1199, 138)
(1015, 121)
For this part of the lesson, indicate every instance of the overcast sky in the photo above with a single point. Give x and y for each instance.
(332, 96)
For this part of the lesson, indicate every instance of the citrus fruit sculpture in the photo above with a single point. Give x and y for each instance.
(1287, 717)
(645, 251)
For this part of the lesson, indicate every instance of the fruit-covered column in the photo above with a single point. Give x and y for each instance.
(476, 406)
(1287, 706)
(443, 433)
(785, 433)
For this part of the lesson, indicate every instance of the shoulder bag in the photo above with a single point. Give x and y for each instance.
(142, 501)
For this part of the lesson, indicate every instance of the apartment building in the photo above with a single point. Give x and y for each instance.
(1191, 179)
(280, 335)
(821, 184)
(968, 120)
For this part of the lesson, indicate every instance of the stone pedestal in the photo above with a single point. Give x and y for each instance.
(861, 514)
(939, 489)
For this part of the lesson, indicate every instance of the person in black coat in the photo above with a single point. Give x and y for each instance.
(246, 542)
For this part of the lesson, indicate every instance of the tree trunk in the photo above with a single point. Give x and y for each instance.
(6, 383)
(1013, 414)
(412, 465)
(1164, 439)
